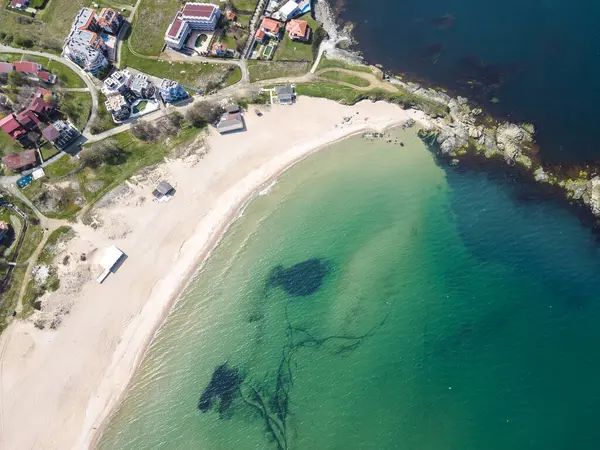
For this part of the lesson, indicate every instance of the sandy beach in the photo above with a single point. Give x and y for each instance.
(57, 386)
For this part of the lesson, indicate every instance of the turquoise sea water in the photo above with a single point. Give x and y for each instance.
(373, 299)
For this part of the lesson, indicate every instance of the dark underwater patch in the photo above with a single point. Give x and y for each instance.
(302, 279)
(222, 389)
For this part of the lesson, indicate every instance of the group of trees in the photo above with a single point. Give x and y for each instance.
(204, 113)
(107, 151)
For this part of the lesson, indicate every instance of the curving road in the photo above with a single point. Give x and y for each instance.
(71, 65)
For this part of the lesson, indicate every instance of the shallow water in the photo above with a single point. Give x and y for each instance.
(534, 61)
(373, 299)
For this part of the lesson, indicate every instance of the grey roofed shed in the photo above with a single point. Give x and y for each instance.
(163, 188)
(285, 93)
(231, 122)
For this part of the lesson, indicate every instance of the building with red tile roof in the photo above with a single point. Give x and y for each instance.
(193, 16)
(27, 67)
(11, 126)
(298, 30)
(19, 4)
(271, 27)
(260, 35)
(20, 161)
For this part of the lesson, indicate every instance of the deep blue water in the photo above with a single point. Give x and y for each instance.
(539, 58)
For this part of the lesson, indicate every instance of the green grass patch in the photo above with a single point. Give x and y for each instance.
(349, 96)
(103, 121)
(10, 57)
(59, 235)
(33, 237)
(9, 146)
(61, 167)
(140, 107)
(48, 151)
(235, 76)
(188, 74)
(345, 78)
(266, 70)
(77, 106)
(327, 63)
(289, 50)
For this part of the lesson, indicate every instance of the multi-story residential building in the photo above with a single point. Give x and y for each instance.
(171, 91)
(84, 46)
(193, 16)
(110, 20)
(118, 107)
(117, 83)
(142, 87)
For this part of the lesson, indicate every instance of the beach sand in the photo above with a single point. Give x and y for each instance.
(58, 386)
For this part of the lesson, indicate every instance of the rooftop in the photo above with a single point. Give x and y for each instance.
(270, 25)
(27, 67)
(6, 67)
(298, 28)
(20, 160)
(198, 10)
(9, 124)
(50, 133)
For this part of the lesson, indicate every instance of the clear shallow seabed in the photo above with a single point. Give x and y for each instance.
(398, 303)
(539, 59)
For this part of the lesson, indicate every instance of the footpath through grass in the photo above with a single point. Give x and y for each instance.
(345, 78)
(327, 63)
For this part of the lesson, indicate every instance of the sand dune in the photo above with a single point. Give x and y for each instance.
(58, 386)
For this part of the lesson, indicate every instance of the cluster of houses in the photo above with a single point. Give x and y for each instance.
(86, 43)
(36, 120)
(280, 16)
(125, 91)
(32, 70)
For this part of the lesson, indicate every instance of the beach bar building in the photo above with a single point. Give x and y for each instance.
(110, 259)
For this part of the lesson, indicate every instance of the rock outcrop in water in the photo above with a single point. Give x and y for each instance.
(221, 390)
(467, 132)
(302, 279)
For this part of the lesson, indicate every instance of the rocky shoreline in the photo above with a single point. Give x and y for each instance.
(466, 132)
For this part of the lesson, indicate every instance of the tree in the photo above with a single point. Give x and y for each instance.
(204, 112)
(145, 131)
(103, 152)
(175, 119)
(50, 98)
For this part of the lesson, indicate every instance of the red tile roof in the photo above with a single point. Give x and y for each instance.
(26, 117)
(27, 67)
(19, 160)
(9, 124)
(6, 67)
(260, 34)
(199, 11)
(39, 105)
(51, 133)
(175, 26)
(298, 29)
(43, 75)
(270, 25)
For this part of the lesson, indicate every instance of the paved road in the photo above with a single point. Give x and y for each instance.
(67, 62)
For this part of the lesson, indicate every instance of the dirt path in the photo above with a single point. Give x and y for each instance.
(374, 82)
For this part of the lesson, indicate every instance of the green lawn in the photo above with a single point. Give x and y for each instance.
(289, 50)
(10, 57)
(77, 106)
(104, 119)
(188, 74)
(66, 77)
(47, 31)
(265, 70)
(61, 167)
(235, 76)
(349, 96)
(346, 78)
(140, 107)
(326, 63)
(8, 146)
(48, 151)
(33, 237)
